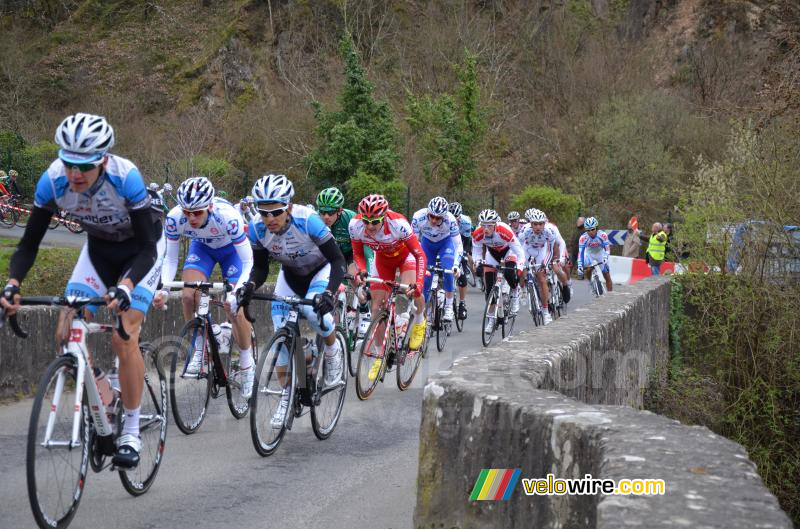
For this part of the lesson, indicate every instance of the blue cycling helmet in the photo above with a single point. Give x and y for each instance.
(590, 223)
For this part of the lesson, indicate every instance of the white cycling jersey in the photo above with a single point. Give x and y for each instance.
(424, 229)
(224, 227)
(538, 246)
(297, 247)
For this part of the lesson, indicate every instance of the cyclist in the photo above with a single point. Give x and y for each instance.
(312, 266)
(501, 245)
(8, 185)
(157, 199)
(594, 246)
(513, 220)
(216, 232)
(396, 248)
(465, 227)
(122, 256)
(561, 262)
(438, 233)
(330, 204)
(541, 244)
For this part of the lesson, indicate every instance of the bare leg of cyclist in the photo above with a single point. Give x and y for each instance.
(540, 276)
(607, 276)
(191, 296)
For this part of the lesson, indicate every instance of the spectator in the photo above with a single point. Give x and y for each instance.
(632, 241)
(668, 255)
(655, 248)
(573, 243)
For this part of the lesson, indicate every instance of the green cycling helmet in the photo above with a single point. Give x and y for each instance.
(330, 199)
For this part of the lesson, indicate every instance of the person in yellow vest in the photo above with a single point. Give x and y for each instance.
(656, 248)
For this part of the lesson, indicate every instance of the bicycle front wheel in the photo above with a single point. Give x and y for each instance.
(371, 358)
(189, 392)
(73, 225)
(325, 414)
(268, 424)
(152, 428)
(459, 321)
(238, 405)
(442, 329)
(9, 216)
(57, 465)
(489, 318)
(469, 275)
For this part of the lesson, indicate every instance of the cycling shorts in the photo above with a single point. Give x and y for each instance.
(386, 267)
(203, 258)
(102, 264)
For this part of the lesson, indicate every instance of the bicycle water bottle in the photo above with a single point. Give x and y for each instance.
(103, 386)
(440, 297)
(401, 324)
(113, 378)
(224, 337)
(350, 317)
(365, 322)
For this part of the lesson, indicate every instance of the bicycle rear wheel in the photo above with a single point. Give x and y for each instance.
(468, 275)
(238, 405)
(152, 428)
(325, 414)
(459, 321)
(371, 353)
(268, 389)
(56, 473)
(442, 329)
(24, 215)
(72, 225)
(489, 315)
(189, 393)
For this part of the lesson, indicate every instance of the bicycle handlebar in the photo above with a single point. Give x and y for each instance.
(289, 300)
(388, 283)
(72, 302)
(199, 285)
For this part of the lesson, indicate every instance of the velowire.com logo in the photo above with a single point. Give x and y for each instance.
(495, 484)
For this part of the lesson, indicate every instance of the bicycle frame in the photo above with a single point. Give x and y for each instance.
(390, 304)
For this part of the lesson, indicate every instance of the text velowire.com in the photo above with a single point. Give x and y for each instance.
(589, 485)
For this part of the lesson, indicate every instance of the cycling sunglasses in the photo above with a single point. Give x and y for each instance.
(434, 217)
(193, 212)
(328, 212)
(372, 222)
(277, 212)
(82, 167)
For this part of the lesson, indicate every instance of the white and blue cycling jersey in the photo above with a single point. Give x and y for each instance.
(296, 248)
(104, 209)
(465, 226)
(220, 240)
(443, 241)
(593, 249)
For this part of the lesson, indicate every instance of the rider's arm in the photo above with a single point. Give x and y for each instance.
(455, 234)
(147, 234)
(28, 247)
(170, 266)
(334, 256)
(260, 269)
(477, 246)
(516, 249)
(245, 252)
(412, 243)
(236, 231)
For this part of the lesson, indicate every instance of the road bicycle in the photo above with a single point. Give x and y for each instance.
(67, 219)
(597, 285)
(348, 319)
(190, 392)
(386, 344)
(77, 417)
(555, 305)
(435, 307)
(533, 293)
(302, 377)
(13, 212)
(467, 271)
(497, 312)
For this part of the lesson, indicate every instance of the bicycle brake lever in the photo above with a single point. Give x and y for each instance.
(121, 329)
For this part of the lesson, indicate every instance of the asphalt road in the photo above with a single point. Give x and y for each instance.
(363, 475)
(60, 236)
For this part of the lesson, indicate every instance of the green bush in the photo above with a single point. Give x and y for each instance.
(364, 184)
(557, 205)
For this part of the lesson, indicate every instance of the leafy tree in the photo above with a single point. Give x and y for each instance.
(365, 184)
(360, 139)
(555, 203)
(450, 129)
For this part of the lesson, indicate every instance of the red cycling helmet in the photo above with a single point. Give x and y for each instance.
(372, 206)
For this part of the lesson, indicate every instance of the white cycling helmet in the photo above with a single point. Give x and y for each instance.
(195, 193)
(456, 209)
(167, 188)
(153, 186)
(84, 138)
(437, 206)
(535, 215)
(488, 216)
(513, 215)
(273, 188)
(590, 223)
